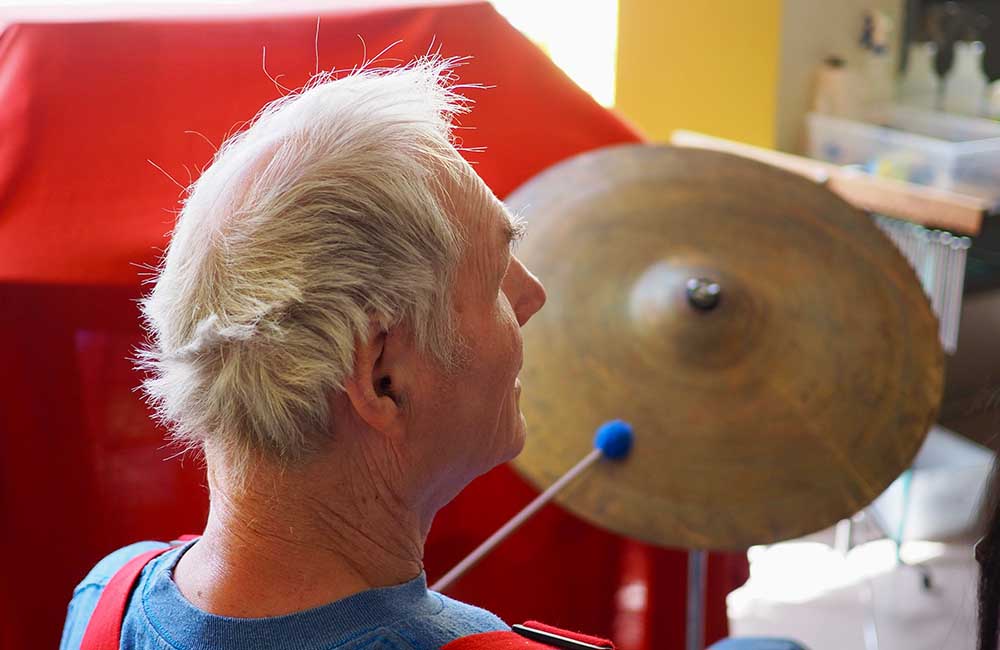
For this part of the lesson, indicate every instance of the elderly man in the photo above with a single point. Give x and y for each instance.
(336, 327)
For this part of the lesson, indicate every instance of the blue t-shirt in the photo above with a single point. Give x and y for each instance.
(403, 617)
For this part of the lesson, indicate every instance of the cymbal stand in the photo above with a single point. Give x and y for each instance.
(697, 573)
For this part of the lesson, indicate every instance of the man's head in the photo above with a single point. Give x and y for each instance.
(339, 266)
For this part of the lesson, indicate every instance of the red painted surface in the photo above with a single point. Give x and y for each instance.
(83, 105)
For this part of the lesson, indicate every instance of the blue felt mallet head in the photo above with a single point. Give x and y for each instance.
(614, 439)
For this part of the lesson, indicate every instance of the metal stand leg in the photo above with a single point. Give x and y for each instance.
(844, 536)
(926, 580)
(697, 570)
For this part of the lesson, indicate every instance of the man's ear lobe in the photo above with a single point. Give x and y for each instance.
(370, 387)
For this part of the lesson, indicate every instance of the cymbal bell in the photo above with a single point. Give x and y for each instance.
(774, 352)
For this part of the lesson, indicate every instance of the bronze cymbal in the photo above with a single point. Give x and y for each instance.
(788, 405)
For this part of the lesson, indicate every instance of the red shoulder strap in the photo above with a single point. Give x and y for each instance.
(532, 635)
(104, 631)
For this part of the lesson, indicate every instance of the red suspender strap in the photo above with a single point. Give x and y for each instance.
(104, 631)
(532, 635)
(494, 641)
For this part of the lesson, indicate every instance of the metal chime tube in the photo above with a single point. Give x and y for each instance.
(947, 288)
(938, 258)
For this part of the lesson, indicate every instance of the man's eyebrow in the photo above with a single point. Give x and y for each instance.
(514, 227)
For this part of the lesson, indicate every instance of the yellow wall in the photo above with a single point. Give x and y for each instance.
(706, 65)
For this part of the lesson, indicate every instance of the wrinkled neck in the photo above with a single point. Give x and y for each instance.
(295, 538)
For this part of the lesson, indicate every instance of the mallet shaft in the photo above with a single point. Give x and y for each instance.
(473, 558)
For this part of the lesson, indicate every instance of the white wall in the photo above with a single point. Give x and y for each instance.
(812, 30)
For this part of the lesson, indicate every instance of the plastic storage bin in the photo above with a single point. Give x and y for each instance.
(952, 152)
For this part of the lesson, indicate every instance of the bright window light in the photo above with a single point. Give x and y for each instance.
(585, 46)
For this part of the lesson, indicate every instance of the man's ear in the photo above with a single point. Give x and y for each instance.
(371, 387)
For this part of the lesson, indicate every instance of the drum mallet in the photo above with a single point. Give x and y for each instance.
(613, 440)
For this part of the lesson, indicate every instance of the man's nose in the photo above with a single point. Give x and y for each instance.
(532, 298)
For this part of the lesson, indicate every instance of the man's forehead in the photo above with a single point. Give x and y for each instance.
(494, 219)
(489, 230)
